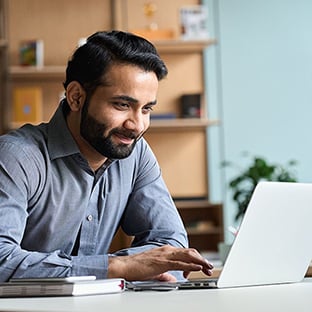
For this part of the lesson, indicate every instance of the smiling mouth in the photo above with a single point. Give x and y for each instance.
(124, 139)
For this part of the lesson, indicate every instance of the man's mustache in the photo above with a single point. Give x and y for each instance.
(128, 134)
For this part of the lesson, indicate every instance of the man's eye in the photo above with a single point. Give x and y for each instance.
(148, 109)
(121, 105)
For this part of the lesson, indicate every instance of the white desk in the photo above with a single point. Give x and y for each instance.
(285, 298)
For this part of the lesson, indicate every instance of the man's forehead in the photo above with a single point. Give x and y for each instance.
(119, 69)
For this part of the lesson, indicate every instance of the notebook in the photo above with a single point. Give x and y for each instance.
(273, 244)
(68, 286)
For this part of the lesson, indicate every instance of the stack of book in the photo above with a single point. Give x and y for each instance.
(70, 286)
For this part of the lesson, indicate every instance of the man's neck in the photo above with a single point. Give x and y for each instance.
(93, 157)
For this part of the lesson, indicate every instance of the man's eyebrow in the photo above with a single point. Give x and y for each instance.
(131, 99)
(125, 98)
(153, 102)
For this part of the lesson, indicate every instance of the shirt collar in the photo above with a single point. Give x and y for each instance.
(60, 141)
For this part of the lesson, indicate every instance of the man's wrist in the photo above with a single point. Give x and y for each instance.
(115, 267)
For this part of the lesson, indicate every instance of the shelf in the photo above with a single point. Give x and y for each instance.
(164, 125)
(55, 71)
(203, 221)
(58, 71)
(213, 230)
(33, 72)
(181, 124)
(182, 46)
(190, 204)
(12, 125)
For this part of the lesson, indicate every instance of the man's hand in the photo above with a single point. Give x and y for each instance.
(154, 264)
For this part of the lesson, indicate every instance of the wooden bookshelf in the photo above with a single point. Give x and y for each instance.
(181, 144)
(204, 223)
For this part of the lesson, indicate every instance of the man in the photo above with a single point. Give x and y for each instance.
(66, 186)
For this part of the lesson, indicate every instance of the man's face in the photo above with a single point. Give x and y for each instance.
(118, 114)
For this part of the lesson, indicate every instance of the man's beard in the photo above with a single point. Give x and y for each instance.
(93, 132)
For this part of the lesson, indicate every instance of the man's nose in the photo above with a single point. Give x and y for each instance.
(136, 122)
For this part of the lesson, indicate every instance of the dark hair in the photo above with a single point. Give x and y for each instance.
(92, 60)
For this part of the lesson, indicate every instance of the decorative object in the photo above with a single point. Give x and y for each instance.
(149, 11)
(193, 21)
(243, 184)
(151, 31)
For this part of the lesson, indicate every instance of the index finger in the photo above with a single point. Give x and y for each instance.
(191, 255)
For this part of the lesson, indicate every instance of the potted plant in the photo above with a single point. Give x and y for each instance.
(243, 184)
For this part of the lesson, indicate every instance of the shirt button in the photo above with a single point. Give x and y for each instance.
(89, 218)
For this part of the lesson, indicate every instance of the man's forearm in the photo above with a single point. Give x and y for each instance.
(23, 264)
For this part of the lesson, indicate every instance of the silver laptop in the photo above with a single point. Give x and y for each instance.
(274, 241)
(273, 244)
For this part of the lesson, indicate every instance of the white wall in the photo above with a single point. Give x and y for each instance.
(259, 80)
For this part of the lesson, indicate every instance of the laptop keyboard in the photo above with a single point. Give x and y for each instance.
(165, 286)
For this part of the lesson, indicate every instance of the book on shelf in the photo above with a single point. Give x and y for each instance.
(31, 53)
(162, 116)
(191, 105)
(27, 105)
(79, 286)
(193, 20)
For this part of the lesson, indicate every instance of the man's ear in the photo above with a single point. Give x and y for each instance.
(75, 95)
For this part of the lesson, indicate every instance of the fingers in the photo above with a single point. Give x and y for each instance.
(208, 271)
(186, 274)
(154, 263)
(184, 259)
(174, 265)
(165, 277)
(191, 256)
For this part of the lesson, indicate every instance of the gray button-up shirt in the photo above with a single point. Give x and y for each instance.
(49, 197)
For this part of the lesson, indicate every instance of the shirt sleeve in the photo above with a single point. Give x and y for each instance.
(151, 215)
(18, 180)
(153, 221)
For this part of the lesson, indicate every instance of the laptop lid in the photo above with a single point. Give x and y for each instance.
(274, 241)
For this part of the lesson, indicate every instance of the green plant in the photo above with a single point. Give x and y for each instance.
(243, 185)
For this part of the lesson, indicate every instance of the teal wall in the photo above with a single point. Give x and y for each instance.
(259, 82)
